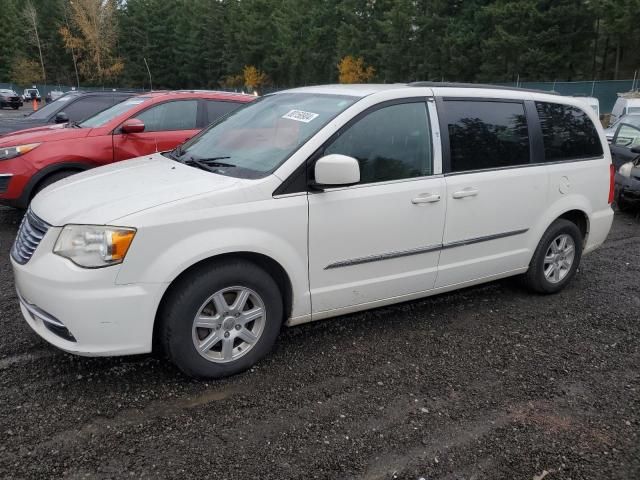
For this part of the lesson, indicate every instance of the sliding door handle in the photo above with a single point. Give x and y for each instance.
(426, 198)
(467, 192)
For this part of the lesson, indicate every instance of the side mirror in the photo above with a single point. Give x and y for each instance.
(336, 170)
(635, 149)
(61, 117)
(133, 125)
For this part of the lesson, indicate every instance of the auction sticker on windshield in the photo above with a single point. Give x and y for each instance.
(300, 116)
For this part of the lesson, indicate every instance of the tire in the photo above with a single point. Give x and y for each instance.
(622, 205)
(197, 295)
(51, 179)
(535, 278)
(15, 107)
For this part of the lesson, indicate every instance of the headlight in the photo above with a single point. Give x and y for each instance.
(11, 152)
(625, 170)
(94, 246)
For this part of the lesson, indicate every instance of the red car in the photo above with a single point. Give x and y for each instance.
(153, 122)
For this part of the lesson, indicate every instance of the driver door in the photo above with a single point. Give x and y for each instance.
(381, 238)
(167, 125)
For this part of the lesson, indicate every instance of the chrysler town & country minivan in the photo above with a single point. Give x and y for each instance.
(308, 204)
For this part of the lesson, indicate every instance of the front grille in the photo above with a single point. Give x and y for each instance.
(4, 183)
(30, 233)
(14, 99)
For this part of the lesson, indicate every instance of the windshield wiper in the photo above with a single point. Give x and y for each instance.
(176, 153)
(213, 161)
(199, 164)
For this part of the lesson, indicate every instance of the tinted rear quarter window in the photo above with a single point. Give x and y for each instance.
(568, 133)
(486, 134)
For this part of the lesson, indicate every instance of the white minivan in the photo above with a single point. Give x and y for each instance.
(308, 204)
(626, 104)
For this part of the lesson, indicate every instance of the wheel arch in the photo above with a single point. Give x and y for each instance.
(42, 175)
(581, 219)
(267, 263)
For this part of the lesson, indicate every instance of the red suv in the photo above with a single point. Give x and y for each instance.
(153, 122)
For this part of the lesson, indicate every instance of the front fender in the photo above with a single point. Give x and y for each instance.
(159, 254)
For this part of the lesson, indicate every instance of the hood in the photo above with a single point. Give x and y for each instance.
(102, 195)
(43, 134)
(45, 127)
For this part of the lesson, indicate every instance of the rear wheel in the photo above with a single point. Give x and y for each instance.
(220, 320)
(15, 107)
(556, 258)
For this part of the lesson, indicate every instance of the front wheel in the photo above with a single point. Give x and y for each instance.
(221, 319)
(556, 258)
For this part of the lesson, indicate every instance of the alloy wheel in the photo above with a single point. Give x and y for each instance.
(228, 324)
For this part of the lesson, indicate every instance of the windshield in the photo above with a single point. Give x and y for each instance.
(110, 113)
(43, 113)
(255, 139)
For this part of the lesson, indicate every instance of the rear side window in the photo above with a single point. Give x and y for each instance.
(486, 134)
(217, 109)
(178, 115)
(568, 133)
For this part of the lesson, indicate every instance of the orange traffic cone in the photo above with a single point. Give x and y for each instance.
(35, 105)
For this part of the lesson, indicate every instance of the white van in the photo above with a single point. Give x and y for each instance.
(626, 104)
(308, 204)
(594, 103)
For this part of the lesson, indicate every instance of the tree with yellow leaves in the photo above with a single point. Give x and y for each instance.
(92, 36)
(234, 82)
(254, 78)
(353, 70)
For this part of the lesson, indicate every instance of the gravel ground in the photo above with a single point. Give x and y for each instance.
(486, 383)
(11, 113)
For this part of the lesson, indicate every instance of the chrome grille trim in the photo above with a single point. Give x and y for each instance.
(31, 232)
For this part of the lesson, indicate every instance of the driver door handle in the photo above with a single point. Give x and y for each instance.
(467, 192)
(426, 198)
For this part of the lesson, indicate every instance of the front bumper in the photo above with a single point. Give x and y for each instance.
(627, 189)
(101, 318)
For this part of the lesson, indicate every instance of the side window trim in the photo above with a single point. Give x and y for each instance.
(536, 142)
(444, 133)
(201, 114)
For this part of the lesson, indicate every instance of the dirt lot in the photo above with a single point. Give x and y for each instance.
(486, 383)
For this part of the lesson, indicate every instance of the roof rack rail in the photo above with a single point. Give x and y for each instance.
(479, 85)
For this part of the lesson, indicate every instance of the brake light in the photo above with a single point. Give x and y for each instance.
(612, 175)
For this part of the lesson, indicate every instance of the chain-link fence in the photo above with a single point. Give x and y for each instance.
(606, 91)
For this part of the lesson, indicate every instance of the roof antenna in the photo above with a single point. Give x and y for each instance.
(149, 72)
